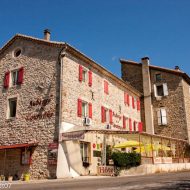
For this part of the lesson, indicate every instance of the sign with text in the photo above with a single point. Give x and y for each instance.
(77, 135)
(105, 170)
(52, 153)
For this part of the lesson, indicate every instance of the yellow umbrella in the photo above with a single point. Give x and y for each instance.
(128, 144)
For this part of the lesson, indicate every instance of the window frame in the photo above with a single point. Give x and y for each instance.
(85, 153)
(158, 79)
(11, 99)
(86, 109)
(161, 118)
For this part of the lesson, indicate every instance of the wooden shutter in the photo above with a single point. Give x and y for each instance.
(125, 98)
(80, 73)
(128, 100)
(159, 117)
(90, 110)
(106, 87)
(6, 79)
(165, 89)
(133, 102)
(103, 114)
(138, 105)
(155, 91)
(111, 116)
(90, 78)
(20, 75)
(124, 122)
(163, 115)
(134, 126)
(79, 107)
(140, 127)
(130, 124)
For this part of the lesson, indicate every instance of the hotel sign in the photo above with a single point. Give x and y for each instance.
(68, 136)
(105, 170)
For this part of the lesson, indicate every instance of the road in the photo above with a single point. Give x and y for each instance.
(173, 181)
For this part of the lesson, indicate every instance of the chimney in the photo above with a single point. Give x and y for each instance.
(177, 68)
(47, 34)
(145, 60)
(147, 89)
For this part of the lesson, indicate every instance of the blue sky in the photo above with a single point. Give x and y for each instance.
(107, 30)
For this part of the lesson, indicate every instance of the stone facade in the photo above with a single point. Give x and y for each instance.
(176, 102)
(37, 99)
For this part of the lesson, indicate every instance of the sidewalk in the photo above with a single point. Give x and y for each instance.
(56, 180)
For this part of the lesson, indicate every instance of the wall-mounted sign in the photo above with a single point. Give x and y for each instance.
(77, 135)
(52, 153)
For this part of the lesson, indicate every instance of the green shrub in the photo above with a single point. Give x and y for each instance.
(123, 159)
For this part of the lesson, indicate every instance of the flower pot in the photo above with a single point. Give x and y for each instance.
(26, 177)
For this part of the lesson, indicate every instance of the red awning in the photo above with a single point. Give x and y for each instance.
(18, 146)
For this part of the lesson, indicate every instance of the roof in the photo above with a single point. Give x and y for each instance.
(172, 71)
(75, 52)
(25, 145)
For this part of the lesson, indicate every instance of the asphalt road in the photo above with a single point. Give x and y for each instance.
(174, 181)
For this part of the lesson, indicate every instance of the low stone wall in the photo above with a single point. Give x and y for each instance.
(156, 168)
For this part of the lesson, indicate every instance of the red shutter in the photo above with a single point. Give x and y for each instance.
(124, 122)
(133, 102)
(20, 75)
(125, 98)
(128, 101)
(90, 110)
(80, 73)
(140, 127)
(134, 124)
(106, 87)
(103, 114)
(130, 124)
(79, 107)
(111, 116)
(90, 78)
(6, 79)
(138, 105)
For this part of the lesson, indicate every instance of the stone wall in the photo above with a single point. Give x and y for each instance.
(37, 101)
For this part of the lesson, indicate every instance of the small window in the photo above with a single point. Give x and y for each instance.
(106, 116)
(17, 52)
(84, 109)
(14, 77)
(84, 73)
(162, 117)
(160, 90)
(12, 107)
(85, 152)
(158, 77)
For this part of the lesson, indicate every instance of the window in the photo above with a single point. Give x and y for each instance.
(14, 77)
(161, 90)
(84, 109)
(162, 117)
(84, 72)
(107, 115)
(158, 77)
(17, 52)
(85, 151)
(12, 108)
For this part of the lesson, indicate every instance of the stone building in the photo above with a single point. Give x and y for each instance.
(49, 89)
(166, 101)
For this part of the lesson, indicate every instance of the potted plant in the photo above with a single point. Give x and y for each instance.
(26, 176)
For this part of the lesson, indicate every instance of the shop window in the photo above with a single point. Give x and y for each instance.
(26, 157)
(158, 77)
(161, 90)
(162, 117)
(85, 152)
(12, 107)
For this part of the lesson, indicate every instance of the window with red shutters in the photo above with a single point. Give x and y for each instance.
(111, 116)
(80, 72)
(90, 110)
(130, 125)
(124, 122)
(79, 111)
(90, 78)
(6, 79)
(20, 75)
(106, 87)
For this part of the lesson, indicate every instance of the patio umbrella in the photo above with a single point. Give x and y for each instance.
(128, 144)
